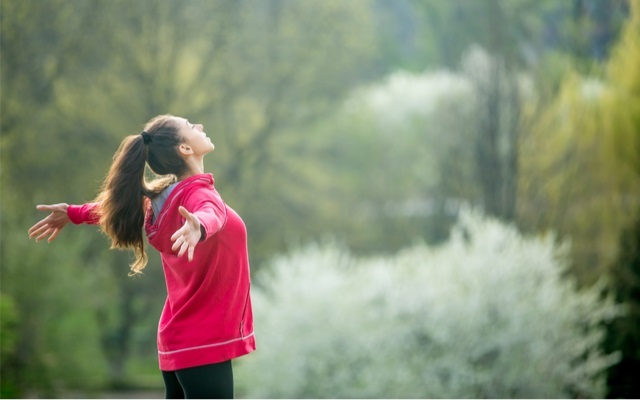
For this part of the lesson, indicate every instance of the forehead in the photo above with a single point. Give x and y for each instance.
(181, 122)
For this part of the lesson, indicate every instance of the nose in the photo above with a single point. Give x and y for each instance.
(200, 126)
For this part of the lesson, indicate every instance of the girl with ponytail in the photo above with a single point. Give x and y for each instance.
(207, 319)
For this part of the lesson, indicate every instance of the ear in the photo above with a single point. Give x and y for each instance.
(185, 149)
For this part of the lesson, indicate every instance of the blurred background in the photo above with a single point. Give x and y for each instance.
(441, 195)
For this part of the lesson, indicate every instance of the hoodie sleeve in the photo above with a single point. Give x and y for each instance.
(88, 213)
(207, 205)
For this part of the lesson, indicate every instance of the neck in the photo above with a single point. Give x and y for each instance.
(195, 166)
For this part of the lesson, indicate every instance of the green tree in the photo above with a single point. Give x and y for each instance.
(510, 32)
(623, 333)
(254, 73)
(621, 114)
(579, 162)
(582, 177)
(9, 338)
(40, 45)
(396, 160)
(518, 35)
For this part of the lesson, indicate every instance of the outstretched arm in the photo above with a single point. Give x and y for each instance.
(51, 225)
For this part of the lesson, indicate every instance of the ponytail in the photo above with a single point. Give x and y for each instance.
(122, 200)
(124, 190)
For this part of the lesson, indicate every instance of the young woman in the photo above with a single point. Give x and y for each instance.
(207, 318)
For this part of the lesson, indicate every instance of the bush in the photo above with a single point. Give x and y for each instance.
(8, 345)
(50, 337)
(488, 314)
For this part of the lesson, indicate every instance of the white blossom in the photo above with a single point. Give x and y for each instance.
(488, 314)
(403, 96)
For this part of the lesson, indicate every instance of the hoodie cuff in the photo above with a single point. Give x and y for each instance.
(83, 213)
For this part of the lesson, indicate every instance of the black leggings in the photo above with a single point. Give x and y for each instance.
(212, 381)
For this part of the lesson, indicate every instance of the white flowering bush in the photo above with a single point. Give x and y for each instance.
(404, 96)
(488, 314)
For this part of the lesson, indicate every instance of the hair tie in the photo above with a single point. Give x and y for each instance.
(146, 138)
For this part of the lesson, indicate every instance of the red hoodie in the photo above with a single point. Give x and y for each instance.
(207, 317)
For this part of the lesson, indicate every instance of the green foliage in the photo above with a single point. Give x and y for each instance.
(394, 157)
(621, 109)
(524, 32)
(52, 316)
(579, 161)
(621, 103)
(489, 314)
(9, 339)
(623, 333)
(77, 76)
(269, 81)
(581, 176)
(402, 154)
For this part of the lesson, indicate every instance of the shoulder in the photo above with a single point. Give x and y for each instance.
(204, 181)
(200, 190)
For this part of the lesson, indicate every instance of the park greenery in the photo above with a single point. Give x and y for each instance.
(441, 195)
(486, 315)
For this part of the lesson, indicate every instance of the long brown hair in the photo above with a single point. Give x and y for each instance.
(125, 187)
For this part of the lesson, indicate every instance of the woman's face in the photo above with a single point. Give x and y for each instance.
(194, 137)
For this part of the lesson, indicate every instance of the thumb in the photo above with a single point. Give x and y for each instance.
(45, 207)
(185, 213)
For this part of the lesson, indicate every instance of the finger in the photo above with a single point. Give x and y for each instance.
(36, 232)
(39, 224)
(33, 228)
(176, 243)
(53, 235)
(190, 254)
(46, 207)
(183, 248)
(176, 235)
(43, 235)
(33, 231)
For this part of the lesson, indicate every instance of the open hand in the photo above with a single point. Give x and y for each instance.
(52, 224)
(186, 238)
